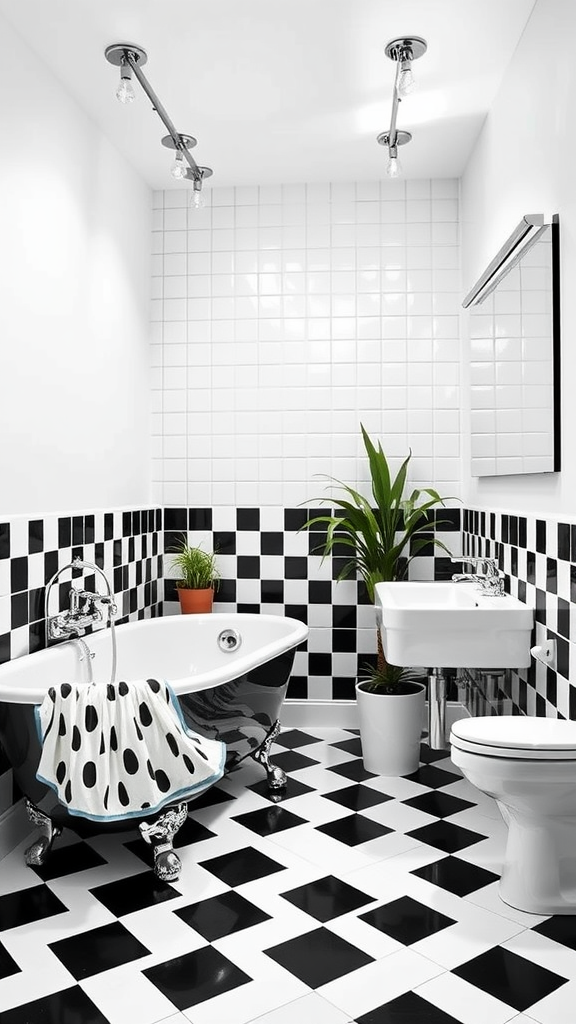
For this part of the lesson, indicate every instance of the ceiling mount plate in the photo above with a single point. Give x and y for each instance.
(416, 44)
(188, 141)
(401, 138)
(116, 53)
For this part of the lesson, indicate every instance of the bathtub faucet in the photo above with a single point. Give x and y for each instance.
(84, 610)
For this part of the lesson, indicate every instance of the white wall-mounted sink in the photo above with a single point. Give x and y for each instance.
(452, 625)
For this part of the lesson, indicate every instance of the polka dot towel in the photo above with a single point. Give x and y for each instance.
(122, 750)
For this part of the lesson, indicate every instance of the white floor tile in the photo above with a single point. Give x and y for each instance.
(381, 883)
(42, 972)
(379, 982)
(465, 1002)
(399, 816)
(308, 1009)
(488, 853)
(489, 899)
(400, 788)
(125, 994)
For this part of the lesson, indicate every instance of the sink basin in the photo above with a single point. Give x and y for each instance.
(452, 625)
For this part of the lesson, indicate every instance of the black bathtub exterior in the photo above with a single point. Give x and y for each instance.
(241, 713)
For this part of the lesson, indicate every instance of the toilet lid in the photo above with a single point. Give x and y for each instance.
(522, 735)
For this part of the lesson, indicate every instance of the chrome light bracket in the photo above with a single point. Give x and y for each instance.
(188, 141)
(204, 172)
(401, 138)
(406, 48)
(116, 54)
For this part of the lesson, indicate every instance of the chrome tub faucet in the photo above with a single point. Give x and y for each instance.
(84, 610)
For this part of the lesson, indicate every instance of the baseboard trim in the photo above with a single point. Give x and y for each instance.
(14, 827)
(342, 714)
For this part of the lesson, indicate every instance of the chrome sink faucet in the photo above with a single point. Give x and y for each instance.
(85, 607)
(488, 580)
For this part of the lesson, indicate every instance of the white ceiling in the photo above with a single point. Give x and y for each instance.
(282, 90)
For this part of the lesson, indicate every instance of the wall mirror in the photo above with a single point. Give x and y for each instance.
(515, 355)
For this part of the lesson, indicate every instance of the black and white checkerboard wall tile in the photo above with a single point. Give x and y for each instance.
(126, 544)
(538, 557)
(268, 566)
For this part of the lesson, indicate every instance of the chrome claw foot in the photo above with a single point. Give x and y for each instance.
(277, 778)
(159, 834)
(37, 854)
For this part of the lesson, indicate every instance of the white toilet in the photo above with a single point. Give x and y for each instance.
(529, 766)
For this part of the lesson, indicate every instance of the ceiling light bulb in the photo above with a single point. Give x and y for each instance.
(394, 168)
(197, 199)
(178, 169)
(406, 80)
(125, 91)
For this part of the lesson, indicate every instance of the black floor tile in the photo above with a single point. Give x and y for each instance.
(353, 770)
(407, 920)
(318, 957)
(269, 820)
(67, 860)
(357, 798)
(559, 928)
(191, 979)
(98, 950)
(444, 835)
(408, 1008)
(441, 805)
(70, 1006)
(278, 796)
(433, 777)
(353, 746)
(327, 898)
(8, 966)
(191, 832)
(127, 895)
(456, 875)
(511, 978)
(428, 756)
(292, 760)
(27, 905)
(221, 915)
(210, 798)
(293, 738)
(354, 829)
(241, 866)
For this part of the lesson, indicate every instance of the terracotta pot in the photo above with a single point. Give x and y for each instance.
(390, 729)
(195, 601)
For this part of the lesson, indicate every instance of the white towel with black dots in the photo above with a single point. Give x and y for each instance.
(115, 751)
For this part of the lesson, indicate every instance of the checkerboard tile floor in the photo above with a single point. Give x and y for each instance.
(349, 898)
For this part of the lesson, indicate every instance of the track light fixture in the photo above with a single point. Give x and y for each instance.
(404, 51)
(130, 59)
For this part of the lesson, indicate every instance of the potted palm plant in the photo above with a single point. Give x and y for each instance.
(198, 576)
(383, 533)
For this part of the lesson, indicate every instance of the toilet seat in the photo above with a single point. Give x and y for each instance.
(507, 736)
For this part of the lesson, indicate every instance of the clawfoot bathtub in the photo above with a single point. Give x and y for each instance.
(230, 673)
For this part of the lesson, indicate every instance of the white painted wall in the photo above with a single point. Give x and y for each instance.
(74, 290)
(524, 162)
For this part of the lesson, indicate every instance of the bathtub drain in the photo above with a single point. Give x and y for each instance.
(229, 640)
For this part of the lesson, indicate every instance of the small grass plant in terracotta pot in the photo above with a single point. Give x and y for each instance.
(198, 577)
(383, 532)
